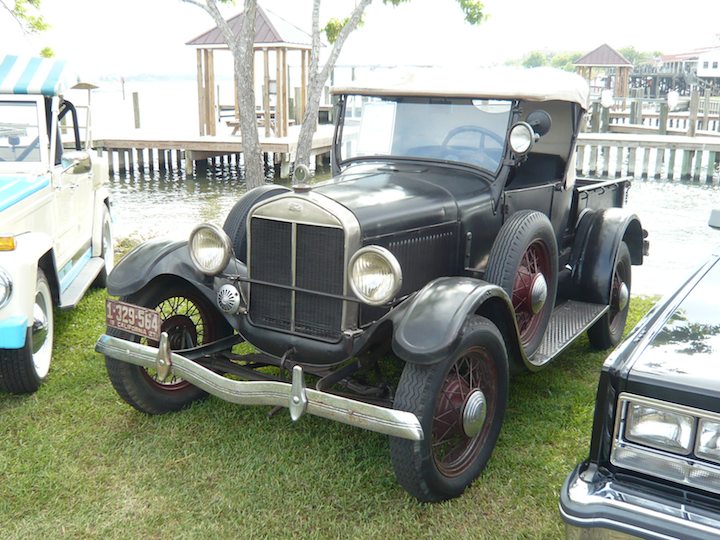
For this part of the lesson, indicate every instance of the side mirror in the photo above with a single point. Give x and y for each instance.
(540, 121)
(76, 162)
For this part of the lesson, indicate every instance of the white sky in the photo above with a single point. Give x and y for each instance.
(103, 37)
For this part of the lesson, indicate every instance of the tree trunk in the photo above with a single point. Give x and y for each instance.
(243, 52)
(318, 77)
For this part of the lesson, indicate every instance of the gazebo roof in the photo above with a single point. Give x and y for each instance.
(603, 56)
(270, 30)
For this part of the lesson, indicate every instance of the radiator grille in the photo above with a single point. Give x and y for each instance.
(318, 266)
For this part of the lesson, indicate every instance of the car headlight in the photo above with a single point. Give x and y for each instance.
(708, 440)
(210, 248)
(375, 275)
(6, 287)
(659, 428)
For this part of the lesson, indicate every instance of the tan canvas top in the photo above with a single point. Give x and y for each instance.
(536, 84)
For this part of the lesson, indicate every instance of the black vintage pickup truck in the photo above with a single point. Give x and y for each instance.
(453, 246)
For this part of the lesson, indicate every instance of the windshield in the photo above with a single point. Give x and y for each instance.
(19, 132)
(470, 131)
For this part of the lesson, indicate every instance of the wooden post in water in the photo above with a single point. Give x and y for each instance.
(645, 163)
(698, 166)
(671, 165)
(136, 109)
(161, 161)
(705, 124)
(618, 162)
(662, 126)
(692, 119)
(686, 163)
(121, 161)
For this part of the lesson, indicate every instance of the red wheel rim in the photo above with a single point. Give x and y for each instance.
(452, 450)
(184, 322)
(535, 262)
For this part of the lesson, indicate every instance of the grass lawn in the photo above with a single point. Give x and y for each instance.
(78, 462)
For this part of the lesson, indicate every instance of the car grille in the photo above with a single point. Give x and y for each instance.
(295, 262)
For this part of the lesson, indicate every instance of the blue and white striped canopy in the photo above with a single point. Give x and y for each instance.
(31, 75)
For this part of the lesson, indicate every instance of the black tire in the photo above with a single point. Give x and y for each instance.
(236, 221)
(190, 320)
(608, 330)
(107, 252)
(524, 251)
(449, 458)
(23, 370)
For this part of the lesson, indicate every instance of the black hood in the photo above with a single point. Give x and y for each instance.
(394, 197)
(683, 355)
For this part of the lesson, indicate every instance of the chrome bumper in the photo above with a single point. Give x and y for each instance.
(295, 395)
(607, 509)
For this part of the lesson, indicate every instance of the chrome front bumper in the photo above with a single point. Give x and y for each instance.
(603, 508)
(295, 395)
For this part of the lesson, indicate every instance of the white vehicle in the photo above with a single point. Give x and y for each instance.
(55, 226)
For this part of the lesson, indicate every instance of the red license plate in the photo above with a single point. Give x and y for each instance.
(137, 320)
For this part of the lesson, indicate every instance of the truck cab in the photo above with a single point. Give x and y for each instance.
(55, 226)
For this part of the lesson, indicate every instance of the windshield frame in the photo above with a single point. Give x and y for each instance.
(43, 144)
(341, 162)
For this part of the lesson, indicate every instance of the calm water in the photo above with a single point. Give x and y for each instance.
(675, 215)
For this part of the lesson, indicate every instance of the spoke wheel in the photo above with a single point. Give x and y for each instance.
(460, 403)
(189, 320)
(524, 262)
(608, 330)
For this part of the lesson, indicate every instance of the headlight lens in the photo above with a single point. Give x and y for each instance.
(659, 428)
(210, 248)
(6, 287)
(708, 444)
(522, 138)
(375, 275)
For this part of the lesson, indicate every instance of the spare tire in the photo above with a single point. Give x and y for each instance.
(236, 222)
(524, 262)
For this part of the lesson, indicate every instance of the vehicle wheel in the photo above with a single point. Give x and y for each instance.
(23, 370)
(107, 252)
(608, 330)
(524, 262)
(460, 403)
(190, 320)
(236, 221)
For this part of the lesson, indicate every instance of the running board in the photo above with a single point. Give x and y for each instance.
(567, 321)
(70, 297)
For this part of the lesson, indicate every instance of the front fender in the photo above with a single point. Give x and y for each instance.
(152, 259)
(596, 244)
(428, 328)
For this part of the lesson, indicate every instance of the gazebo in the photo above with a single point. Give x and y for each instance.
(608, 60)
(272, 33)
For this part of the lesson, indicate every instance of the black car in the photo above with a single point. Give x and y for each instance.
(454, 245)
(654, 464)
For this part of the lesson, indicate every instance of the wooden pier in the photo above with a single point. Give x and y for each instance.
(164, 152)
(669, 157)
(602, 155)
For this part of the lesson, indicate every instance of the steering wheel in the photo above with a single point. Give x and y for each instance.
(25, 153)
(484, 132)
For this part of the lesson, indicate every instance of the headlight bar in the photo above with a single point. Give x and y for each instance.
(667, 440)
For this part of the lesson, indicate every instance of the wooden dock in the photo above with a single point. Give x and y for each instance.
(140, 151)
(602, 155)
(670, 157)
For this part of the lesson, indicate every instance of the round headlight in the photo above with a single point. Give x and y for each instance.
(522, 138)
(375, 275)
(6, 287)
(210, 248)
